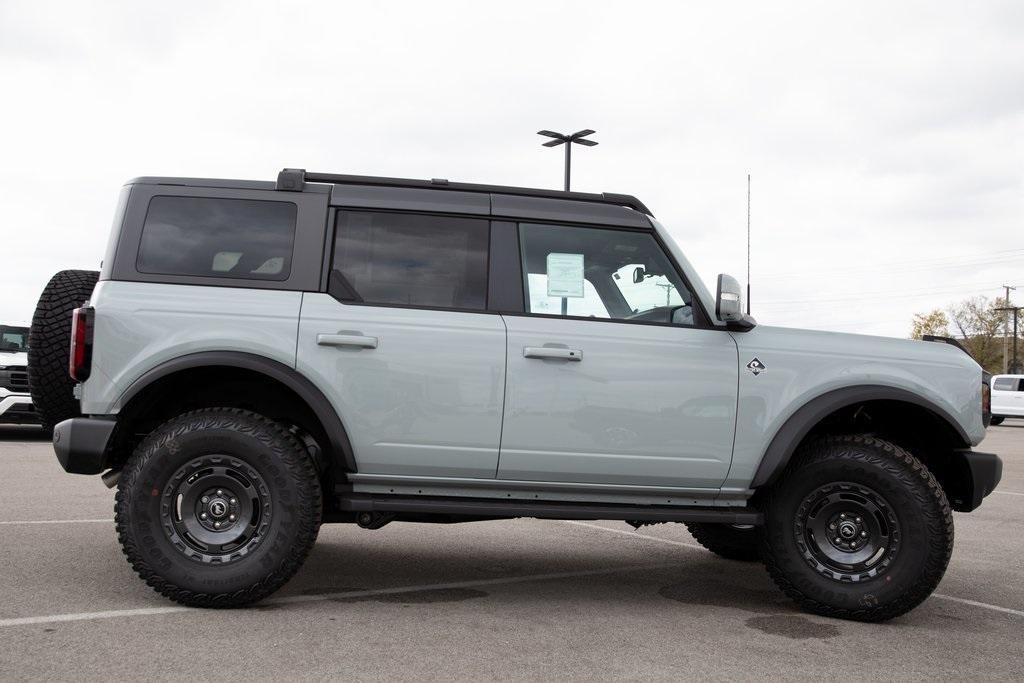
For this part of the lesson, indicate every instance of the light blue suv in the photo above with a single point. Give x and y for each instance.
(257, 358)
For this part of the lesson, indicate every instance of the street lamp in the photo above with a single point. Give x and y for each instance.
(568, 140)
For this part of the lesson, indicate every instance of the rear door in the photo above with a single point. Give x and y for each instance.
(403, 346)
(613, 375)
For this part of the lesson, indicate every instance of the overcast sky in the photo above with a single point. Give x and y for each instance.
(885, 140)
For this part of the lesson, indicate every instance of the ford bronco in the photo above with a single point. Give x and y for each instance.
(257, 358)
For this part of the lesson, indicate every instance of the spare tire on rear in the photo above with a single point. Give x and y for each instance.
(49, 343)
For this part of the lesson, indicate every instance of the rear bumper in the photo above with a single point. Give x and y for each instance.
(81, 444)
(978, 474)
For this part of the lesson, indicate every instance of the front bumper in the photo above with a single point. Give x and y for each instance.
(976, 476)
(17, 409)
(81, 444)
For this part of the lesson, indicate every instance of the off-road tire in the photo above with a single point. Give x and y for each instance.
(997, 421)
(727, 540)
(49, 343)
(256, 445)
(914, 498)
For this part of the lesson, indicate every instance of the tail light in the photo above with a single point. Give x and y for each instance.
(986, 402)
(80, 358)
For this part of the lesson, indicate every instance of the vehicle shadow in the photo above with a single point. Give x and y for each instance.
(23, 433)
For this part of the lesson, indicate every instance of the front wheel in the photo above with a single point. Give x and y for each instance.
(218, 507)
(857, 528)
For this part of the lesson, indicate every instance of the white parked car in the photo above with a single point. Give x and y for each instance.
(1007, 397)
(15, 402)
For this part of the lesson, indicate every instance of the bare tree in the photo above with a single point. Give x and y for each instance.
(979, 327)
(934, 322)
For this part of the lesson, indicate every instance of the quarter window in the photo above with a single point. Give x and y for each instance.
(209, 237)
(410, 260)
(601, 273)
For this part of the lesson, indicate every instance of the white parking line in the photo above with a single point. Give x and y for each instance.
(634, 534)
(56, 521)
(322, 597)
(975, 603)
(1009, 493)
(941, 596)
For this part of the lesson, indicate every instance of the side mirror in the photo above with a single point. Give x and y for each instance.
(638, 274)
(729, 305)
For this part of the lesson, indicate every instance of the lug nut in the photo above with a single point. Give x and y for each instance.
(858, 520)
(863, 534)
(233, 501)
(216, 525)
(219, 492)
(231, 518)
(832, 525)
(839, 542)
(202, 515)
(842, 515)
(205, 500)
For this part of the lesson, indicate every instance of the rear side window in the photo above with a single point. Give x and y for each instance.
(209, 237)
(1005, 384)
(410, 260)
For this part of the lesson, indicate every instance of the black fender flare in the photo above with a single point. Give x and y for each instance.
(291, 378)
(800, 423)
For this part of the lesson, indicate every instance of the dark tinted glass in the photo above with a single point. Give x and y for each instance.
(1005, 384)
(236, 238)
(390, 258)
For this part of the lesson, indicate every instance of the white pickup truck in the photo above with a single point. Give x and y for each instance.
(15, 402)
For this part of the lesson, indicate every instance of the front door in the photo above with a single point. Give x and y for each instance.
(402, 345)
(613, 376)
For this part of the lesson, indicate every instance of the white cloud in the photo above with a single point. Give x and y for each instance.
(885, 140)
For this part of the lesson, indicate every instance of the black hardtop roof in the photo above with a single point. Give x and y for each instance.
(295, 179)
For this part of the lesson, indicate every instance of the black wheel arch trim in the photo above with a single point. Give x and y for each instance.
(291, 378)
(800, 423)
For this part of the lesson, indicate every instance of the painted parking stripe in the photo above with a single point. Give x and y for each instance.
(634, 534)
(984, 605)
(57, 521)
(322, 597)
(941, 596)
(1009, 493)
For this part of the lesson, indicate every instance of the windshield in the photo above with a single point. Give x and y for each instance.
(13, 339)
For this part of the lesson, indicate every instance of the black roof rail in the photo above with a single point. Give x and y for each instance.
(294, 180)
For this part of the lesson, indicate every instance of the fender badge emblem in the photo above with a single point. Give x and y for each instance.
(756, 367)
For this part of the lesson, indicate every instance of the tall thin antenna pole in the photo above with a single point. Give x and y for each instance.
(748, 244)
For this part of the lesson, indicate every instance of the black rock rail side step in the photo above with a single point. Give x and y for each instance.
(482, 507)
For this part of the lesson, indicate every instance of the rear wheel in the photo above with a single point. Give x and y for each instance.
(857, 528)
(731, 541)
(218, 507)
(997, 420)
(49, 344)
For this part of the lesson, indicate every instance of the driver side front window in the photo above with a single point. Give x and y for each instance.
(601, 273)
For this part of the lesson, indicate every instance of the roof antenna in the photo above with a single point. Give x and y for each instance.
(748, 244)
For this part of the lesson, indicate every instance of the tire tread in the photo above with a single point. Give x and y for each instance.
(922, 485)
(299, 466)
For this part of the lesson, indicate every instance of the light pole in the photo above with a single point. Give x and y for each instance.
(568, 140)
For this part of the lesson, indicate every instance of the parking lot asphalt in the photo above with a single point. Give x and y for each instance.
(523, 599)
